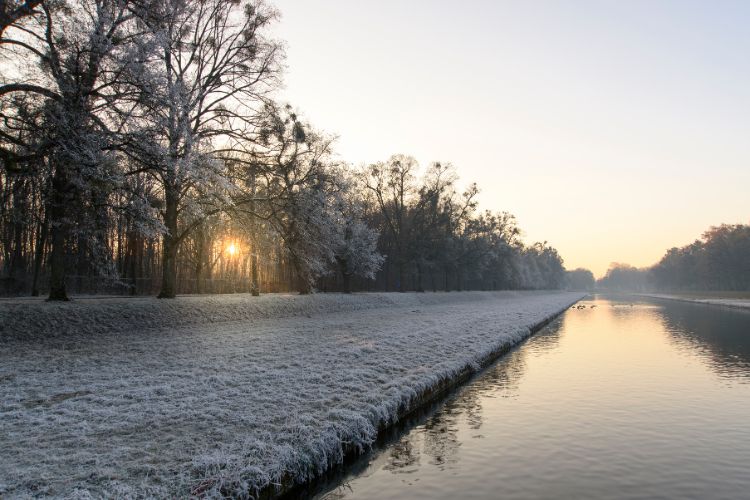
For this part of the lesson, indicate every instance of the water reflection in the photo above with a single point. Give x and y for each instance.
(616, 399)
(436, 434)
(501, 380)
(718, 335)
(402, 456)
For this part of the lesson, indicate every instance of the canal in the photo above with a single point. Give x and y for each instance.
(620, 398)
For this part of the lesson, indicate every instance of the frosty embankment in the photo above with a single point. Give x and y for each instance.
(227, 395)
(705, 298)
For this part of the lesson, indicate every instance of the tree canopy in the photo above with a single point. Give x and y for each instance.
(144, 150)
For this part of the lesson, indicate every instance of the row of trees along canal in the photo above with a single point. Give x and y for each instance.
(718, 261)
(143, 152)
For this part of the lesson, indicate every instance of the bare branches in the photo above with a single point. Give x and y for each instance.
(12, 11)
(157, 116)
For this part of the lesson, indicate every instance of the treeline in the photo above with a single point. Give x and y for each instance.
(143, 152)
(625, 278)
(580, 279)
(720, 260)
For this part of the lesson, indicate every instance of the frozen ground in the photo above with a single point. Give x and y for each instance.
(102, 398)
(739, 303)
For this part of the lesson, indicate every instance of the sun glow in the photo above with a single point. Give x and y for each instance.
(231, 249)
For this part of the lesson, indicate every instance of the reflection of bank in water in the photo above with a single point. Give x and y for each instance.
(430, 435)
(725, 348)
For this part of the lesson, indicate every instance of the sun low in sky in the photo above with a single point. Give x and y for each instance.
(613, 130)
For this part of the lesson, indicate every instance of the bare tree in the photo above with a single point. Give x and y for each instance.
(356, 243)
(393, 184)
(76, 48)
(210, 75)
(298, 185)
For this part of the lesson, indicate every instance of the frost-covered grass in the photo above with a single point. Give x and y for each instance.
(102, 398)
(739, 300)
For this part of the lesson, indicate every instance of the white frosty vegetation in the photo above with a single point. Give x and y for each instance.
(140, 139)
(715, 301)
(245, 393)
(313, 204)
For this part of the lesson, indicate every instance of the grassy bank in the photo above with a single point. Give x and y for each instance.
(232, 403)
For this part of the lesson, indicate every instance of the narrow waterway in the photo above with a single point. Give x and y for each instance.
(621, 398)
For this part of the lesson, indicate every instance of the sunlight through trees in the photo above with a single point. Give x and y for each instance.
(143, 151)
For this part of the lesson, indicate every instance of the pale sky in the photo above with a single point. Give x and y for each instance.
(612, 129)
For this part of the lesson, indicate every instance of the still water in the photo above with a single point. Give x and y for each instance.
(623, 399)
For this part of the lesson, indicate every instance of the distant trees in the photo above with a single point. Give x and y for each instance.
(141, 151)
(580, 279)
(433, 237)
(720, 260)
(393, 185)
(624, 278)
(543, 267)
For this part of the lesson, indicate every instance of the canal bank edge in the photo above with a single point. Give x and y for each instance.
(287, 488)
(742, 304)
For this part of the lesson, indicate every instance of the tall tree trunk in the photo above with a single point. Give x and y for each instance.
(130, 265)
(169, 269)
(401, 276)
(199, 275)
(41, 241)
(200, 260)
(303, 283)
(169, 250)
(280, 268)
(346, 275)
(83, 261)
(254, 286)
(60, 230)
(17, 272)
(303, 286)
(387, 274)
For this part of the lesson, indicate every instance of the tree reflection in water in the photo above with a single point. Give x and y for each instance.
(726, 350)
(402, 456)
(435, 433)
